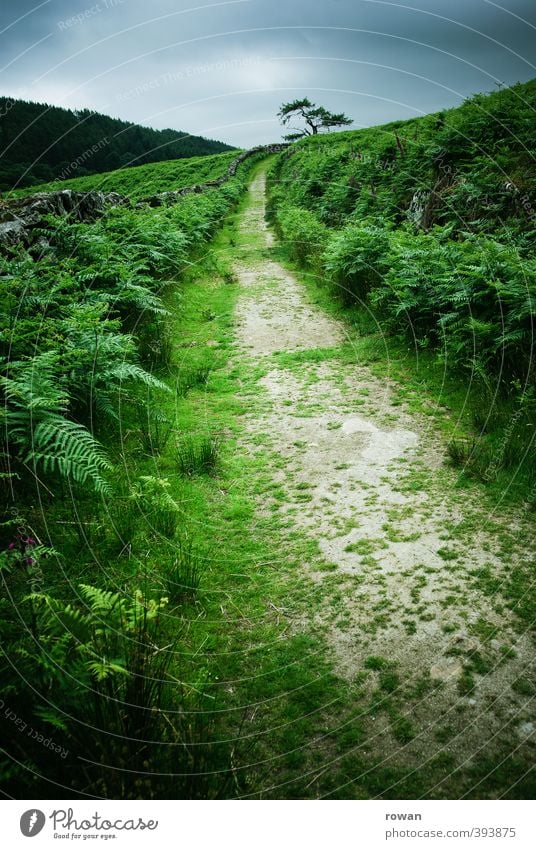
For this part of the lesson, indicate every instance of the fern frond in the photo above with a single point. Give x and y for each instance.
(100, 601)
(68, 448)
(131, 371)
(103, 669)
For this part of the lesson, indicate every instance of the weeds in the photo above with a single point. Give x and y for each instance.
(154, 429)
(160, 511)
(198, 455)
(182, 572)
(192, 377)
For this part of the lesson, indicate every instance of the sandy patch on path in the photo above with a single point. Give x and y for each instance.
(272, 314)
(274, 317)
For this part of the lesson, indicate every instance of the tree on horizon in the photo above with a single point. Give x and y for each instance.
(315, 118)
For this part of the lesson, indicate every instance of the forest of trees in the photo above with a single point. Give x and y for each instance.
(41, 143)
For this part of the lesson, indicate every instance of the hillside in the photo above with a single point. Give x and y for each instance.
(423, 230)
(142, 180)
(39, 143)
(476, 162)
(268, 511)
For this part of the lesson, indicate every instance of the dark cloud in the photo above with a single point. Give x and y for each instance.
(223, 68)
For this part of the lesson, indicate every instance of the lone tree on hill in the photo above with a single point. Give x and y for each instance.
(316, 118)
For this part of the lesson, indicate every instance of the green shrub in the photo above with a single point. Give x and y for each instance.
(356, 258)
(304, 233)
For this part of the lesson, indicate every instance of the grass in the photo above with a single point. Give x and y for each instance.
(182, 573)
(376, 663)
(252, 625)
(144, 180)
(197, 454)
(194, 377)
(366, 546)
(155, 431)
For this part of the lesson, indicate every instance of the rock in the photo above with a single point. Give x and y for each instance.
(171, 197)
(417, 207)
(12, 232)
(447, 670)
(20, 216)
(38, 247)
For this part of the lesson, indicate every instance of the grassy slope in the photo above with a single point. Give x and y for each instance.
(478, 162)
(143, 180)
(265, 687)
(43, 142)
(126, 537)
(375, 171)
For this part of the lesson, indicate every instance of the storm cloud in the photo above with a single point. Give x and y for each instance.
(221, 69)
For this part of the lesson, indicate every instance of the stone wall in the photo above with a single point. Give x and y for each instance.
(21, 217)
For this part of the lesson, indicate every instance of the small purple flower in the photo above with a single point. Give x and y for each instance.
(29, 561)
(11, 546)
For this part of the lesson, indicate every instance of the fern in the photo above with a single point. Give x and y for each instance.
(101, 601)
(35, 422)
(67, 447)
(103, 668)
(130, 371)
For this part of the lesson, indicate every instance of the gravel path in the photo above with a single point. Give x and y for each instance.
(404, 561)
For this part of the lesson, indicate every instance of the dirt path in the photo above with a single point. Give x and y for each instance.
(408, 574)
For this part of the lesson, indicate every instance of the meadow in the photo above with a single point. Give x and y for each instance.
(144, 180)
(172, 623)
(92, 373)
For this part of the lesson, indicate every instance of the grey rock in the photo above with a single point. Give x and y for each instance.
(171, 197)
(447, 669)
(19, 217)
(12, 232)
(417, 207)
(526, 729)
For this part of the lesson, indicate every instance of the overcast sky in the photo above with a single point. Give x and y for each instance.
(221, 69)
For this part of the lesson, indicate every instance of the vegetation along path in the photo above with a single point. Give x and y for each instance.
(410, 583)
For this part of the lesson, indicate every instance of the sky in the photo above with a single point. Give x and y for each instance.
(222, 69)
